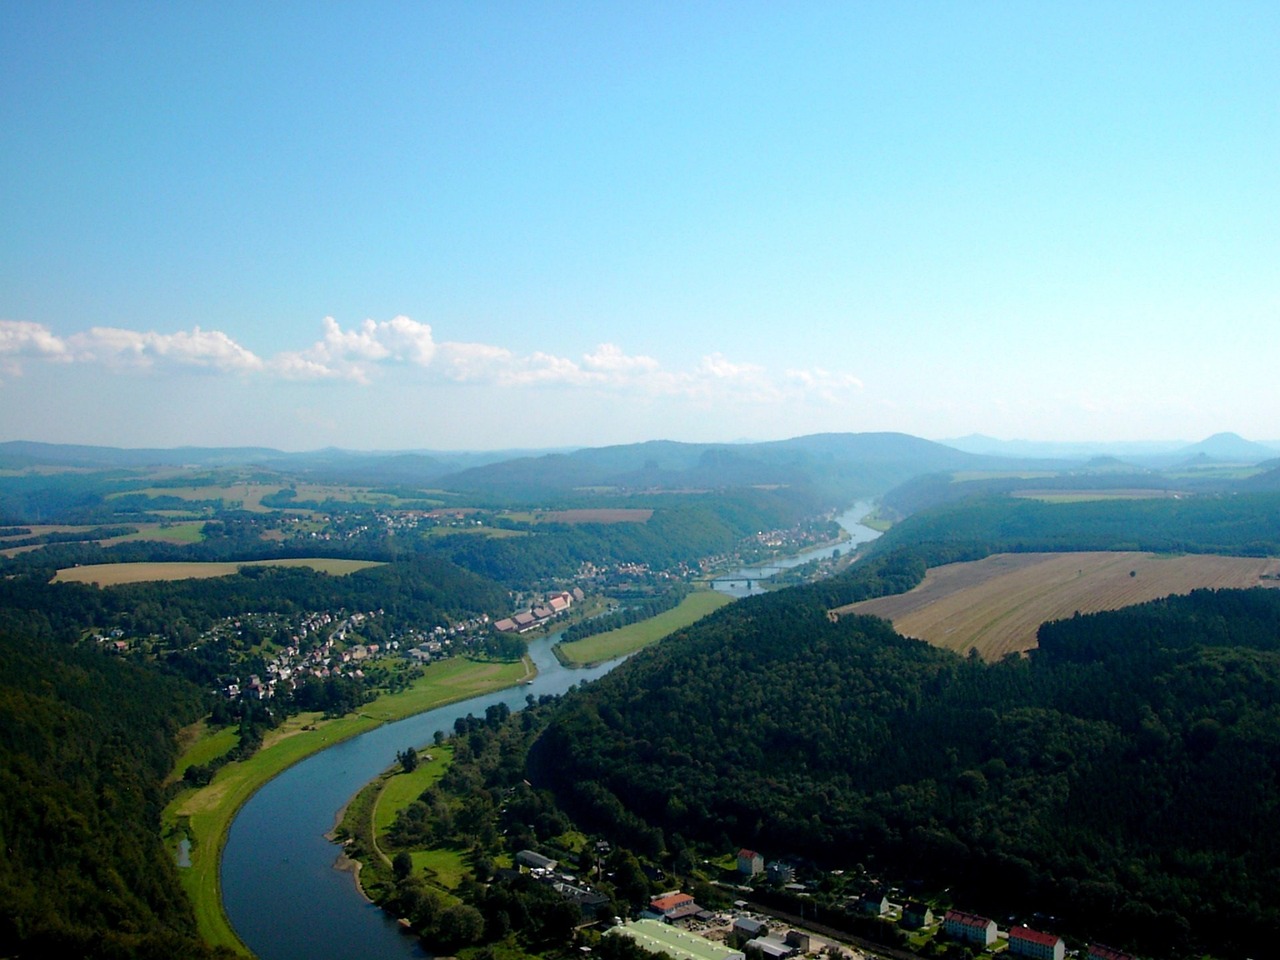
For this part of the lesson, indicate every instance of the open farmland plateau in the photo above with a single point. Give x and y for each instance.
(997, 604)
(113, 574)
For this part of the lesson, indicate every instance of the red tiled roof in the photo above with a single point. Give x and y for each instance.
(671, 901)
(1033, 936)
(1107, 953)
(748, 854)
(967, 919)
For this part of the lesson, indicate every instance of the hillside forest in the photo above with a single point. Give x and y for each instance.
(1121, 778)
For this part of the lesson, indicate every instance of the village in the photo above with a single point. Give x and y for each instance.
(675, 924)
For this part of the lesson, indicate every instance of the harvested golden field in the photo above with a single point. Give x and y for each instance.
(997, 604)
(113, 574)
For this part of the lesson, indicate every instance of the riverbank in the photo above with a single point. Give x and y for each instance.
(593, 650)
(203, 816)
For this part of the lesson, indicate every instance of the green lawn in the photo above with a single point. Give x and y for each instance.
(401, 789)
(204, 815)
(606, 646)
(208, 745)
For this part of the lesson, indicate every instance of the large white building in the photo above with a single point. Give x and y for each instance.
(1025, 942)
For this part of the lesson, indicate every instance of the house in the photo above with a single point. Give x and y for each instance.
(589, 902)
(750, 862)
(1025, 942)
(779, 871)
(768, 948)
(673, 906)
(505, 625)
(1098, 952)
(969, 928)
(873, 905)
(916, 915)
(535, 861)
(795, 938)
(745, 929)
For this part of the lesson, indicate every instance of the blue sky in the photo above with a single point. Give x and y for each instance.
(489, 225)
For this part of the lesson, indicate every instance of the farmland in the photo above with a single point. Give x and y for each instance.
(1082, 496)
(113, 574)
(996, 604)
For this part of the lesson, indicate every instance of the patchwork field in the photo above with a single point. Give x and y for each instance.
(114, 574)
(996, 605)
(597, 515)
(1082, 496)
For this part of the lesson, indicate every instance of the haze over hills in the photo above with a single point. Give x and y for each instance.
(1220, 446)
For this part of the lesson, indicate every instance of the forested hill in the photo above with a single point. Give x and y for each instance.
(840, 466)
(85, 741)
(1242, 524)
(1125, 777)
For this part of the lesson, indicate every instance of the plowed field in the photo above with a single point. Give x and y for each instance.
(997, 604)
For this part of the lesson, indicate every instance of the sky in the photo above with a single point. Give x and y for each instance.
(475, 226)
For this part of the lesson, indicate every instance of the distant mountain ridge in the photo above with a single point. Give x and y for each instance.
(840, 464)
(1221, 446)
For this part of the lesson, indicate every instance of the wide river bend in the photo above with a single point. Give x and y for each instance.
(279, 886)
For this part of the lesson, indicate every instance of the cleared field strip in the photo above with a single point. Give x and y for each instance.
(628, 639)
(113, 574)
(997, 604)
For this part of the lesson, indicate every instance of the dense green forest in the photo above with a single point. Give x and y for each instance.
(1125, 777)
(85, 741)
(1241, 524)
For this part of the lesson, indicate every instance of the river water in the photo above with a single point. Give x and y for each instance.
(279, 885)
(745, 581)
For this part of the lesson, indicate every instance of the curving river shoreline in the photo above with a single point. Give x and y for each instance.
(280, 888)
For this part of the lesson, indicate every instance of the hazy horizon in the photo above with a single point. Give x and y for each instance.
(493, 226)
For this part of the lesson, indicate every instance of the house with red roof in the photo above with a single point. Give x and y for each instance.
(673, 906)
(1025, 942)
(750, 862)
(969, 928)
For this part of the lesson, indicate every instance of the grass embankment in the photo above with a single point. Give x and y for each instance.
(205, 815)
(373, 810)
(615, 643)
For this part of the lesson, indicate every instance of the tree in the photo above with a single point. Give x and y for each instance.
(408, 758)
(402, 865)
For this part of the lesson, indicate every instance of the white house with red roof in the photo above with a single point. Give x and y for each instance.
(750, 862)
(969, 927)
(1025, 942)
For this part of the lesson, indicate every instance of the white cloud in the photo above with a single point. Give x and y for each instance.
(609, 359)
(825, 385)
(350, 354)
(208, 349)
(22, 340)
(356, 354)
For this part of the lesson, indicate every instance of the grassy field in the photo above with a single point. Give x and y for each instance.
(204, 815)
(113, 574)
(997, 604)
(1083, 496)
(180, 533)
(603, 515)
(606, 646)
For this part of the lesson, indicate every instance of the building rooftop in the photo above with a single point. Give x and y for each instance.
(658, 937)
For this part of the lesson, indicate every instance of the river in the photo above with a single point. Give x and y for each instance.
(745, 581)
(279, 886)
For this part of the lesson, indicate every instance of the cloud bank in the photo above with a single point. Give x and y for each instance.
(358, 354)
